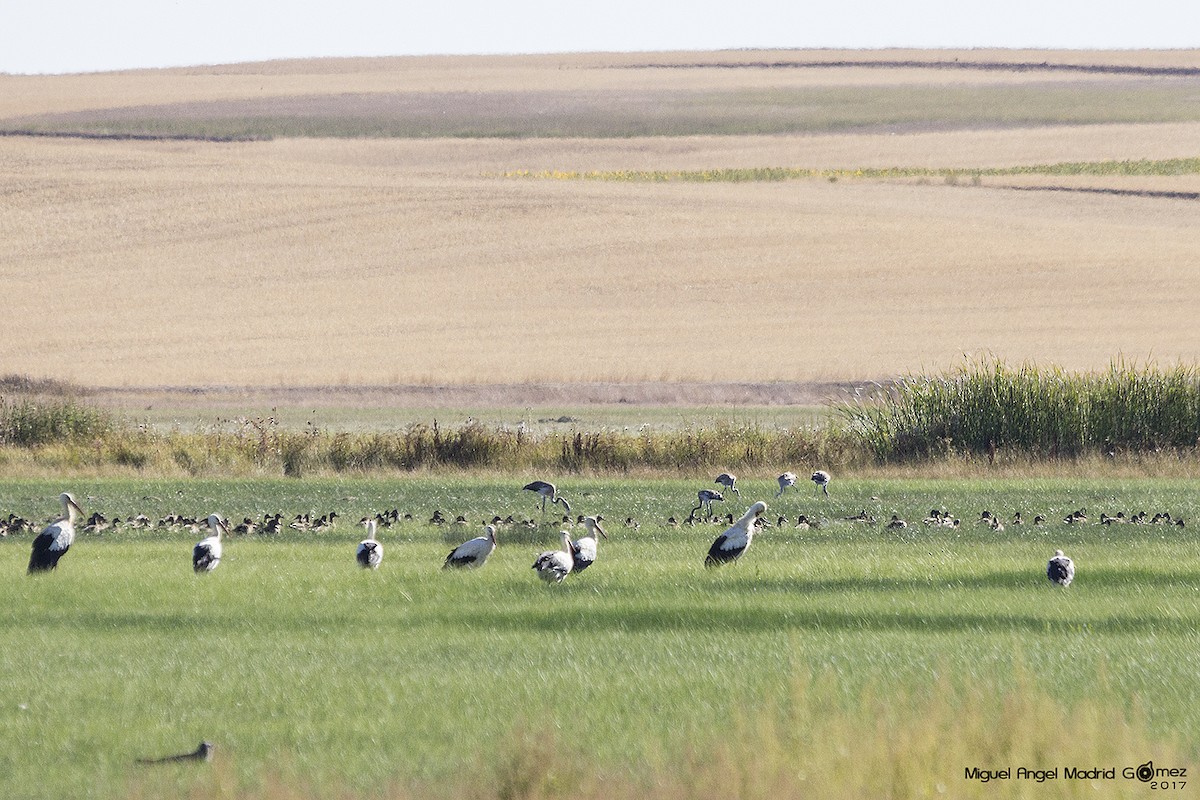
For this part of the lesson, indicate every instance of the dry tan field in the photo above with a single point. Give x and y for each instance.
(358, 260)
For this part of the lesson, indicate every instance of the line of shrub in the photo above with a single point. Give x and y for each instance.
(972, 412)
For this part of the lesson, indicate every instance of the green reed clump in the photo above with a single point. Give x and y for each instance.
(1041, 411)
(32, 421)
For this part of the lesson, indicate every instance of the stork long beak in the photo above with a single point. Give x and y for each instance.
(75, 506)
(601, 530)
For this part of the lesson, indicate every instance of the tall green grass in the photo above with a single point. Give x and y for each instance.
(986, 407)
(32, 422)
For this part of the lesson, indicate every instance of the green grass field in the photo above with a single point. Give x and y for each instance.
(849, 653)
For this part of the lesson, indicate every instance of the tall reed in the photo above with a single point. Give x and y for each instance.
(987, 406)
(30, 421)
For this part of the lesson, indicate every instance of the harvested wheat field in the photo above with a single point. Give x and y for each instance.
(599, 218)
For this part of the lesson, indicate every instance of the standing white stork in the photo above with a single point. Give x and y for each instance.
(821, 479)
(53, 542)
(553, 566)
(785, 480)
(547, 492)
(706, 498)
(369, 554)
(1061, 569)
(583, 549)
(206, 555)
(730, 545)
(728, 479)
(473, 553)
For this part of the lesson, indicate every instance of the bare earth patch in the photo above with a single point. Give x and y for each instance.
(683, 394)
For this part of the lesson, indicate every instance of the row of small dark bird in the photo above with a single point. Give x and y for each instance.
(944, 519)
(552, 565)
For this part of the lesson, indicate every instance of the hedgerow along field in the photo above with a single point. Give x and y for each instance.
(843, 660)
(985, 415)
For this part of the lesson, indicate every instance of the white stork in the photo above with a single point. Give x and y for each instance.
(553, 566)
(785, 480)
(583, 549)
(206, 555)
(473, 554)
(369, 554)
(1061, 569)
(730, 545)
(706, 498)
(547, 492)
(53, 542)
(821, 479)
(728, 479)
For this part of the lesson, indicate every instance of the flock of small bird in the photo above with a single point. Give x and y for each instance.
(552, 566)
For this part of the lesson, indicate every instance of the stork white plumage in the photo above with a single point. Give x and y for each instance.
(53, 542)
(584, 549)
(821, 479)
(369, 554)
(473, 553)
(706, 498)
(206, 555)
(785, 480)
(547, 491)
(731, 544)
(553, 566)
(728, 479)
(1060, 569)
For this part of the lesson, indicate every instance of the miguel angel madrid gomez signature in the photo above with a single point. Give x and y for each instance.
(1157, 777)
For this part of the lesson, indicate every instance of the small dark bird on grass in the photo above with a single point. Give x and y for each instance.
(202, 753)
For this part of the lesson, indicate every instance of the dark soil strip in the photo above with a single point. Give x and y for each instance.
(682, 394)
(133, 137)
(1117, 192)
(984, 66)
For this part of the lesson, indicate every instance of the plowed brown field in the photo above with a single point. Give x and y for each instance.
(346, 259)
